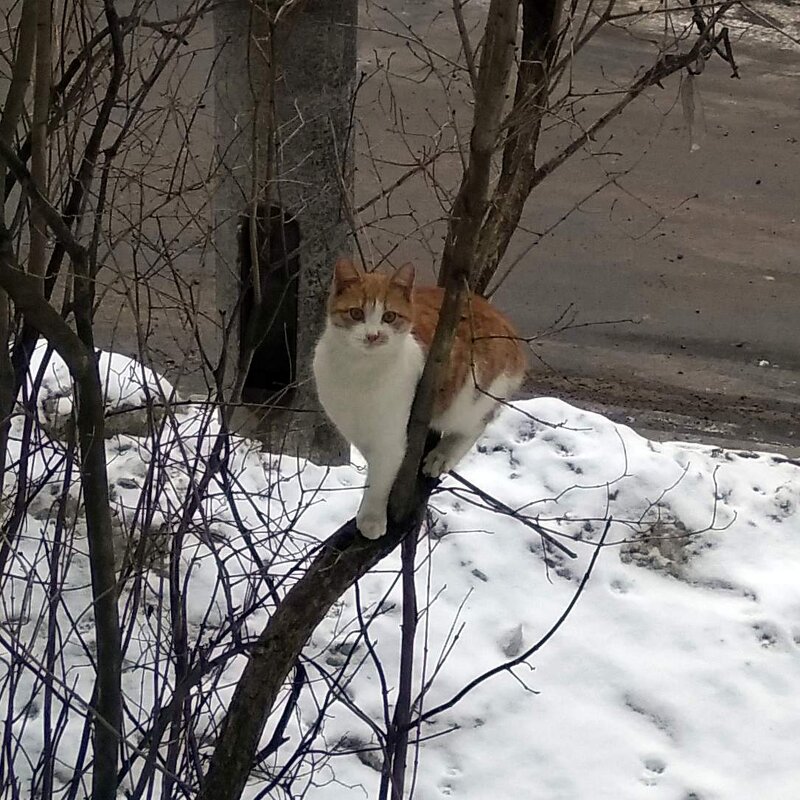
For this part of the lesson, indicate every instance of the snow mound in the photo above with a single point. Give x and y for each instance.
(128, 389)
(674, 677)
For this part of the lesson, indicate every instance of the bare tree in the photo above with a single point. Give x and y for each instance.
(480, 225)
(112, 122)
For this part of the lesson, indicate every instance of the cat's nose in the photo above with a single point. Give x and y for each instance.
(373, 337)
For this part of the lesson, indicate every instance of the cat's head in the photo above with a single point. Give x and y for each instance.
(370, 309)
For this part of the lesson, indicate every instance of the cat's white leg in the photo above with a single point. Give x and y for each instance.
(382, 467)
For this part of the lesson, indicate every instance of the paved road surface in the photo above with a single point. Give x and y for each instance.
(714, 288)
(701, 250)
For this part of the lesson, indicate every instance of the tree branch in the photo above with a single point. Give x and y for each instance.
(394, 765)
(79, 356)
(520, 177)
(24, 290)
(466, 44)
(53, 219)
(471, 201)
(12, 110)
(41, 111)
(343, 559)
(541, 22)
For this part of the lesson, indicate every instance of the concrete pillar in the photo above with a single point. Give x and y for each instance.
(315, 49)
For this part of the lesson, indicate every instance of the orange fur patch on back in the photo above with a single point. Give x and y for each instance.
(486, 345)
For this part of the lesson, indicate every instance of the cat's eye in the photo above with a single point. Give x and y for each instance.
(389, 317)
(357, 313)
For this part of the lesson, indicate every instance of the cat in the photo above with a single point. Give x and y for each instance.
(370, 357)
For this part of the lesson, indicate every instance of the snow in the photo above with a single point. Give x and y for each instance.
(674, 678)
(772, 22)
(127, 383)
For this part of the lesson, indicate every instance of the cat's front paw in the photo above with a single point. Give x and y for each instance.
(436, 463)
(370, 524)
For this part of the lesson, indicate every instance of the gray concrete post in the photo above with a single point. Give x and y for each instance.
(315, 49)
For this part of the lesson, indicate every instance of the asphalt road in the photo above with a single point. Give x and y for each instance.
(713, 288)
(698, 250)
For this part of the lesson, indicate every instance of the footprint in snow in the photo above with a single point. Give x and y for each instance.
(653, 768)
(446, 788)
(768, 634)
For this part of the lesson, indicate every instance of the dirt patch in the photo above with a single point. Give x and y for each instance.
(672, 412)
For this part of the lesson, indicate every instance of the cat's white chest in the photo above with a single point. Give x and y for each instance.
(368, 396)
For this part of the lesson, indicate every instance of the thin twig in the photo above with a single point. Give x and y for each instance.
(509, 665)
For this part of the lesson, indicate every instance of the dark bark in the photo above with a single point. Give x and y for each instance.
(91, 439)
(469, 208)
(396, 758)
(11, 112)
(77, 350)
(342, 560)
(541, 22)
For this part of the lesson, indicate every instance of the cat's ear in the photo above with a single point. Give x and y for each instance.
(404, 278)
(345, 273)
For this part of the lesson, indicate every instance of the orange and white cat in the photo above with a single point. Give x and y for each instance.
(370, 357)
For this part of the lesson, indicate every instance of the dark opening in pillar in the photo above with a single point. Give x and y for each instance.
(272, 327)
